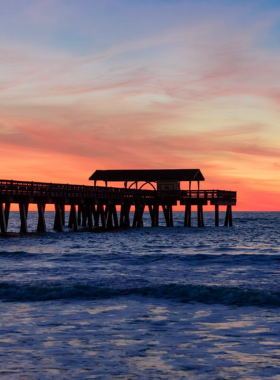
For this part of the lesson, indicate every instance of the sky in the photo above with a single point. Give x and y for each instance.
(143, 84)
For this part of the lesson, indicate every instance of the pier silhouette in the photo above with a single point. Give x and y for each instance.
(96, 206)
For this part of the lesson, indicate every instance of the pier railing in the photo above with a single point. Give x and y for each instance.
(43, 189)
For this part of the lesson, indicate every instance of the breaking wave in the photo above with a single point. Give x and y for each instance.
(10, 292)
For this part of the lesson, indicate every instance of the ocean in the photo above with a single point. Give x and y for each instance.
(145, 303)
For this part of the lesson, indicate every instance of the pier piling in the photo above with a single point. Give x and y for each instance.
(7, 213)
(188, 215)
(154, 213)
(200, 218)
(23, 210)
(138, 215)
(3, 225)
(228, 218)
(89, 217)
(73, 220)
(124, 218)
(41, 226)
(58, 224)
(217, 215)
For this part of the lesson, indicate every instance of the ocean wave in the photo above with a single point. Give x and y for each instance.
(180, 293)
(16, 254)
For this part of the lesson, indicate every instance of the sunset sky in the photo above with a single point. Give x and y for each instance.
(139, 84)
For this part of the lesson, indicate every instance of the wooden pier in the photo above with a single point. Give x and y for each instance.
(96, 206)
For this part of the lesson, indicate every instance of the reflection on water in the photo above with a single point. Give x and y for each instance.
(152, 303)
(85, 338)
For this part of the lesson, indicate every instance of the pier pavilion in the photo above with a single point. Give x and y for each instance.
(96, 206)
(165, 179)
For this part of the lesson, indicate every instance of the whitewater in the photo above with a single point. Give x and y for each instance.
(143, 303)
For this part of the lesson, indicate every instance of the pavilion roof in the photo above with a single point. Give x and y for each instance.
(149, 175)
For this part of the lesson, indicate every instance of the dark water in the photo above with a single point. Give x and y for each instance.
(150, 303)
